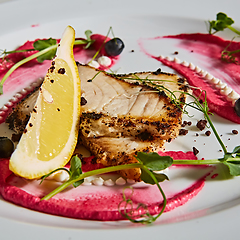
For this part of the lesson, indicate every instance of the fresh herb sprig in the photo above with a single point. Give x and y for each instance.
(102, 45)
(221, 23)
(229, 56)
(46, 50)
(149, 163)
(230, 159)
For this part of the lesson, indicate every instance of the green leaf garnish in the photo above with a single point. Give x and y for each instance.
(77, 177)
(222, 22)
(43, 44)
(160, 177)
(76, 170)
(234, 167)
(89, 41)
(154, 161)
(46, 51)
(147, 162)
(236, 149)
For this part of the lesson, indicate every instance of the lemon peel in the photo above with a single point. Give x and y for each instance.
(50, 136)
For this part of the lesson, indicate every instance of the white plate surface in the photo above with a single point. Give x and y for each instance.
(214, 212)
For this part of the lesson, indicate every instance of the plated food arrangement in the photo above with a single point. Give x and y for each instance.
(125, 120)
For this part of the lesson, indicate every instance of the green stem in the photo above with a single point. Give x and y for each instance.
(215, 132)
(160, 189)
(195, 162)
(204, 109)
(23, 61)
(95, 55)
(232, 52)
(80, 42)
(18, 51)
(91, 173)
(234, 30)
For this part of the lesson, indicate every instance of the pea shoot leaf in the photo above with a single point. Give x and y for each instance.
(236, 149)
(154, 161)
(88, 40)
(234, 167)
(76, 170)
(43, 44)
(148, 179)
(222, 21)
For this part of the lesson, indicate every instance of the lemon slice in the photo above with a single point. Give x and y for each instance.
(50, 136)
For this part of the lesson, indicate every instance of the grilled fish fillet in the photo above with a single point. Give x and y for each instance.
(122, 114)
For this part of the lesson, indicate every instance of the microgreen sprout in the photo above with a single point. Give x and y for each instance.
(229, 56)
(150, 163)
(98, 51)
(25, 60)
(46, 50)
(221, 23)
(146, 162)
(230, 159)
(131, 213)
(4, 53)
(201, 106)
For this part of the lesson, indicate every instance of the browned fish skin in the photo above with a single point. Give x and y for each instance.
(124, 116)
(121, 115)
(118, 151)
(20, 115)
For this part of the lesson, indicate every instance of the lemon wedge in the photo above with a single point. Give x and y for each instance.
(51, 134)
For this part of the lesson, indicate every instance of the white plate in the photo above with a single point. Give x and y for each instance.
(214, 212)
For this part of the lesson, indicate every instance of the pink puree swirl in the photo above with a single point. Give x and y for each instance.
(208, 47)
(85, 202)
(31, 71)
(96, 202)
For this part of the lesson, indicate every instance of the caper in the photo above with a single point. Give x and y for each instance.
(6, 147)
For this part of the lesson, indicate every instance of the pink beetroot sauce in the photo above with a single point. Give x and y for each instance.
(207, 49)
(86, 202)
(98, 202)
(31, 71)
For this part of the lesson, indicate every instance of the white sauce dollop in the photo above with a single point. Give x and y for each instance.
(104, 61)
(225, 90)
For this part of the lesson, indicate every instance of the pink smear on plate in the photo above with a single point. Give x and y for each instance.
(31, 71)
(35, 25)
(99, 202)
(214, 175)
(207, 48)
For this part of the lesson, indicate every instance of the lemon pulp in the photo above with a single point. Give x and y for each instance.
(50, 136)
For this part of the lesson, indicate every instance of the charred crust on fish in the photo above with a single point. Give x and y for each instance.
(93, 115)
(121, 115)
